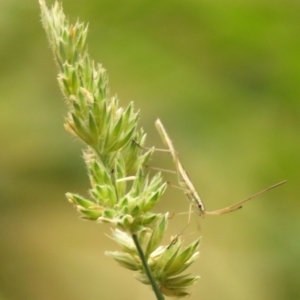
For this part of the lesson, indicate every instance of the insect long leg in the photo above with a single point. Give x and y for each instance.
(239, 204)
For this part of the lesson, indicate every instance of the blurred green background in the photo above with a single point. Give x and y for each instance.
(224, 78)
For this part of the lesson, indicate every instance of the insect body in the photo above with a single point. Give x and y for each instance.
(187, 185)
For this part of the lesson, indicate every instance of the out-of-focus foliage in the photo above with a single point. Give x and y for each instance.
(223, 77)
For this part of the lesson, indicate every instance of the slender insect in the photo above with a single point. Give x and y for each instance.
(187, 185)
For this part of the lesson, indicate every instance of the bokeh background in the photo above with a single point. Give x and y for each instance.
(224, 78)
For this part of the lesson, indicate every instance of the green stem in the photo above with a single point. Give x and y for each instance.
(153, 283)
